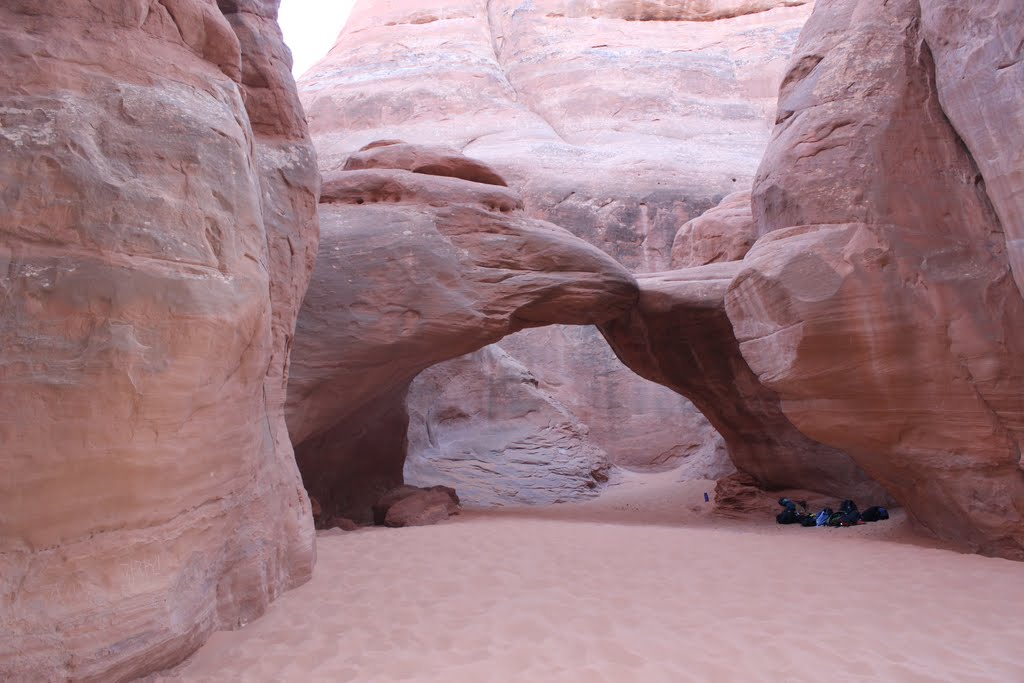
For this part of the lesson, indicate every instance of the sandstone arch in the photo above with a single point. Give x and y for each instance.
(414, 269)
(417, 268)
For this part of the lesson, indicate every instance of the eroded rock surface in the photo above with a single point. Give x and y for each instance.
(880, 305)
(157, 224)
(739, 495)
(482, 423)
(724, 233)
(617, 128)
(979, 65)
(679, 335)
(415, 269)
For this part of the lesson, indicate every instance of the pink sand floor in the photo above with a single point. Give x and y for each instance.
(640, 585)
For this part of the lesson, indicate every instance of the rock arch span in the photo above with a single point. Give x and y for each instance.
(421, 262)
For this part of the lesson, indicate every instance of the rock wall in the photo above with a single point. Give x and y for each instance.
(979, 65)
(880, 302)
(617, 129)
(482, 424)
(157, 224)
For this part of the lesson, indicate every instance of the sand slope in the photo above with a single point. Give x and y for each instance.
(642, 585)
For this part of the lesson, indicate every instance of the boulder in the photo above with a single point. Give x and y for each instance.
(738, 496)
(414, 506)
(724, 233)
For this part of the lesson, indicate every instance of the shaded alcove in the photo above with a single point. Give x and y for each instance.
(525, 445)
(511, 424)
(350, 465)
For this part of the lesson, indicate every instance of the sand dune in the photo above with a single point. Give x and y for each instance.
(641, 585)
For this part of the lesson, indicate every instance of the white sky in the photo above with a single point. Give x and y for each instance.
(310, 28)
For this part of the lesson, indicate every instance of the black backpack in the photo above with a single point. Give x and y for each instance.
(788, 516)
(850, 518)
(874, 514)
(848, 506)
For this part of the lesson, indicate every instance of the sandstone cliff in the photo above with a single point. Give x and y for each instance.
(157, 229)
(880, 302)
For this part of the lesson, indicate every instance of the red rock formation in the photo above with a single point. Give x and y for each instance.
(724, 233)
(880, 304)
(738, 496)
(430, 160)
(979, 64)
(679, 335)
(615, 129)
(538, 92)
(158, 222)
(678, 10)
(415, 269)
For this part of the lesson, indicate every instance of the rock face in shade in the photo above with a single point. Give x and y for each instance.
(575, 366)
(739, 495)
(156, 235)
(482, 424)
(415, 269)
(724, 233)
(880, 304)
(679, 335)
(618, 129)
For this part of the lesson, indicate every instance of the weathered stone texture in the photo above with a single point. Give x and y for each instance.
(880, 303)
(149, 493)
